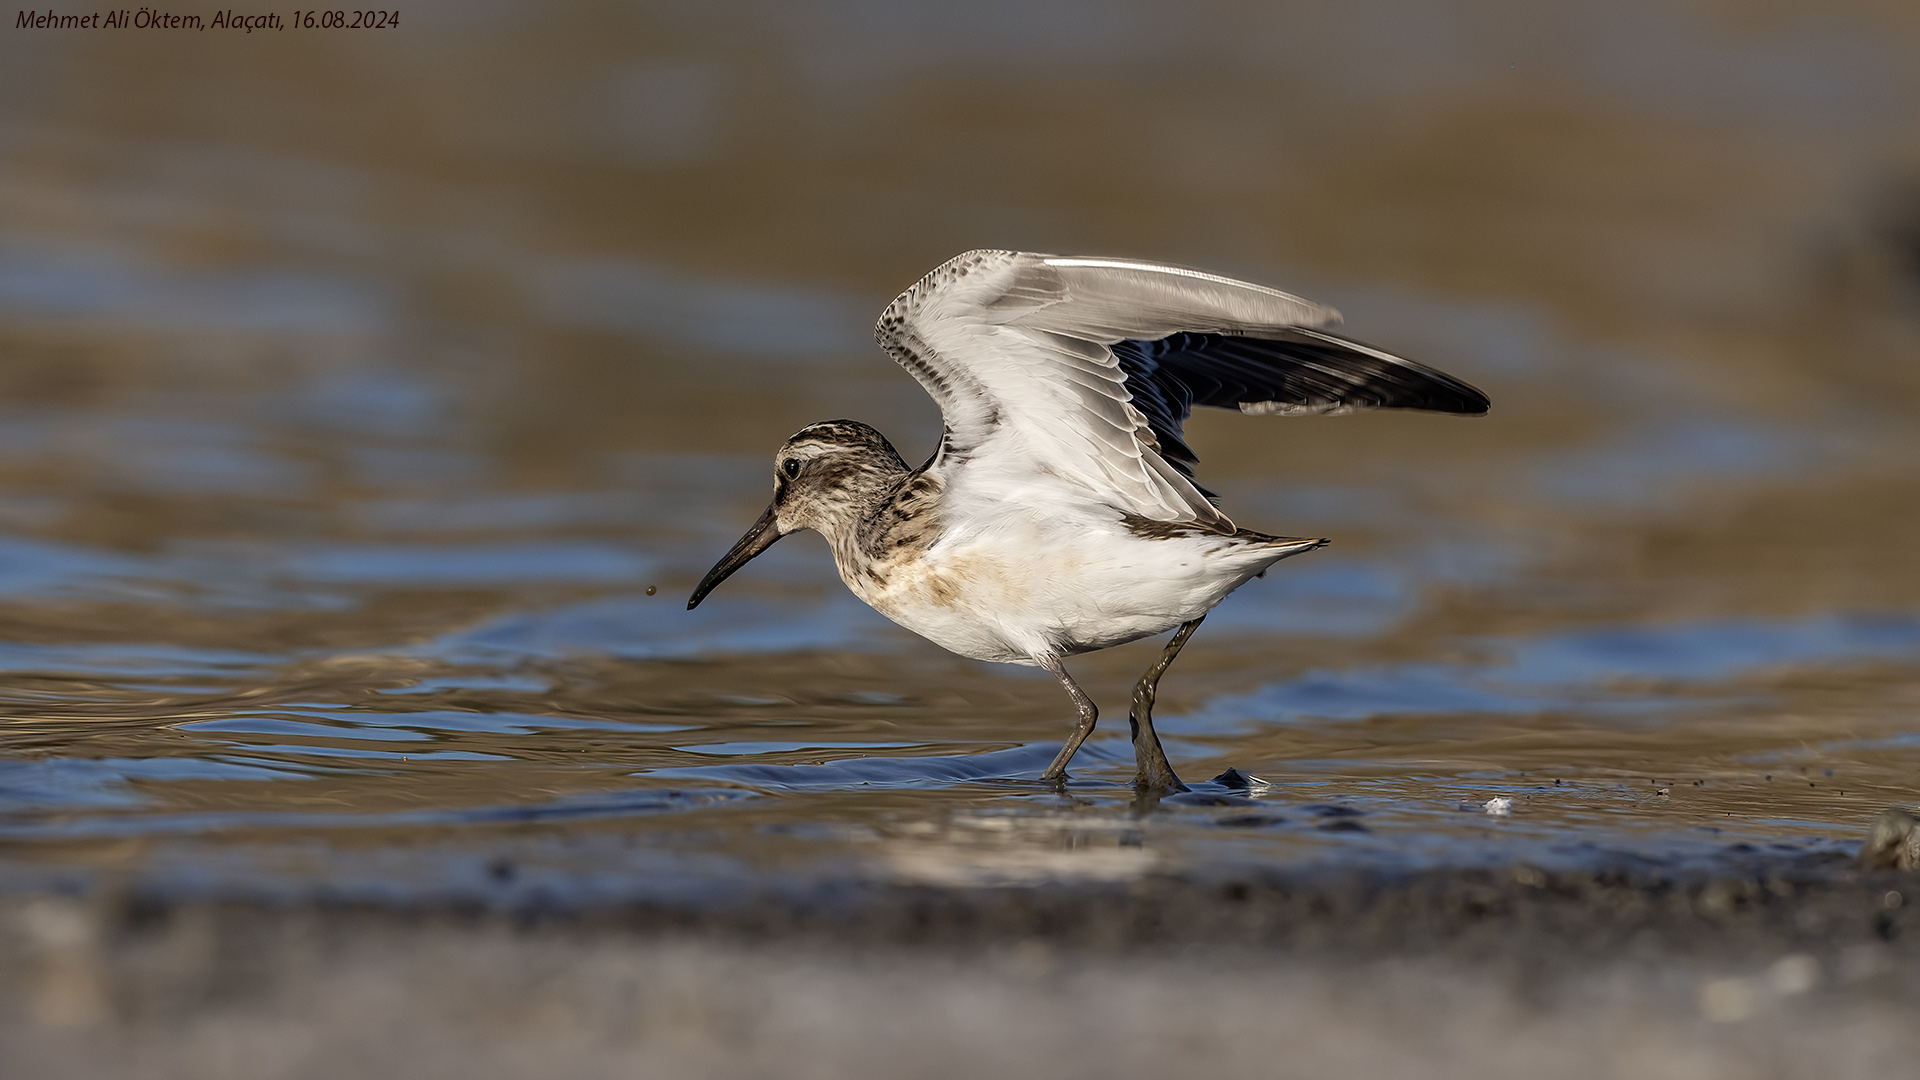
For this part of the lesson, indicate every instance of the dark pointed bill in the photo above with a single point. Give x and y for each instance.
(758, 539)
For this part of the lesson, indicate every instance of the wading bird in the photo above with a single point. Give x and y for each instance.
(1059, 514)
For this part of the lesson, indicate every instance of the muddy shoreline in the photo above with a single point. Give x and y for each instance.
(1807, 901)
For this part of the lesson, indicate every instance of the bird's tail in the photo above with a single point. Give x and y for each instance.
(1289, 545)
(1275, 548)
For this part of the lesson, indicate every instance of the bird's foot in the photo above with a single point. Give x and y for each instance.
(1160, 780)
(1230, 788)
(1151, 771)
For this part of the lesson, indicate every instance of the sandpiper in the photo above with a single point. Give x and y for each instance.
(1059, 514)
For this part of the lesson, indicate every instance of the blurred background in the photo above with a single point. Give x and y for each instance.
(370, 400)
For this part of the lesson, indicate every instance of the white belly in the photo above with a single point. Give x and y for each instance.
(1036, 588)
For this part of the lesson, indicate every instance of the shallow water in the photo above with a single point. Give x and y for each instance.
(365, 419)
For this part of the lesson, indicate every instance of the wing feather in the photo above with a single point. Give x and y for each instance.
(1082, 370)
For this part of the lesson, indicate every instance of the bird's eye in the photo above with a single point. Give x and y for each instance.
(791, 467)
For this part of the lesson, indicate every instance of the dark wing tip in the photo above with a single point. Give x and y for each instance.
(1446, 394)
(1381, 380)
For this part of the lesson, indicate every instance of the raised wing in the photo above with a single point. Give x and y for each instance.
(1084, 368)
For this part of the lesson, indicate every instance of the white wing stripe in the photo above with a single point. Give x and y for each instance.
(1176, 271)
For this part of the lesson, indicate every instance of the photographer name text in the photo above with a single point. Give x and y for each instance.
(147, 18)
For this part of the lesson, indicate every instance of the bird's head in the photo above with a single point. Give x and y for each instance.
(824, 477)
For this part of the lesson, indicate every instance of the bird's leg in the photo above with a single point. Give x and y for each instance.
(1056, 773)
(1153, 773)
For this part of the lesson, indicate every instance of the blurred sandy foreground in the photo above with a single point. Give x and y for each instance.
(1794, 971)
